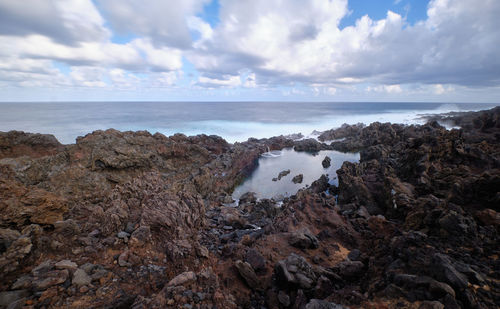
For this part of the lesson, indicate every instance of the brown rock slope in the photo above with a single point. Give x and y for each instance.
(134, 220)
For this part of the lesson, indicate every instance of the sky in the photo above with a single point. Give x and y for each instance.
(250, 50)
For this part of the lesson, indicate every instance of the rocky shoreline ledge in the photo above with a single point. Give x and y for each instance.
(134, 220)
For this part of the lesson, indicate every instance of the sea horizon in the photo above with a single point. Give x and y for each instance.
(233, 121)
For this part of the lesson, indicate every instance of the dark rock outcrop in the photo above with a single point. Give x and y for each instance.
(135, 220)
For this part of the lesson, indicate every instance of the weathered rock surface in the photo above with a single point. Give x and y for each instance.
(135, 220)
(326, 162)
(298, 178)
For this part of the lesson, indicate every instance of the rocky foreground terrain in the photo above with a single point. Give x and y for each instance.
(134, 220)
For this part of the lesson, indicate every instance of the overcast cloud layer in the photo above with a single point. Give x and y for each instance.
(258, 49)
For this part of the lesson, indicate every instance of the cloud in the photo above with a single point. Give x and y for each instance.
(225, 81)
(165, 22)
(64, 21)
(457, 44)
(257, 45)
(73, 33)
(385, 88)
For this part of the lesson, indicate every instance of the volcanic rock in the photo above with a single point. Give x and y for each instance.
(298, 178)
(326, 162)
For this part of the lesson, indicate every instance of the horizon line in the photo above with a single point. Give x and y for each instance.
(249, 101)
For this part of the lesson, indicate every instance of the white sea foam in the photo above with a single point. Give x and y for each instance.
(238, 131)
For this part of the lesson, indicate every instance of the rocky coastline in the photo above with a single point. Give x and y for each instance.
(135, 220)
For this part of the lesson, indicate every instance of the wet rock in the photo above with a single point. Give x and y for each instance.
(249, 197)
(320, 185)
(298, 178)
(344, 131)
(283, 174)
(308, 145)
(303, 239)
(326, 162)
(80, 277)
(246, 271)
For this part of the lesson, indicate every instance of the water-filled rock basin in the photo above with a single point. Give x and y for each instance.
(270, 165)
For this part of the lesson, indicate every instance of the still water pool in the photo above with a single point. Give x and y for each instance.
(272, 163)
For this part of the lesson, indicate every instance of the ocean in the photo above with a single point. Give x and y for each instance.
(234, 121)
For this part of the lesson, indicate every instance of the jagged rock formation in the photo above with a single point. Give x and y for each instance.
(134, 220)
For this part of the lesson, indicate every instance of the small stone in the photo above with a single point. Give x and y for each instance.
(354, 255)
(123, 258)
(202, 251)
(95, 233)
(246, 271)
(51, 278)
(283, 174)
(23, 282)
(326, 162)
(7, 236)
(298, 178)
(84, 289)
(303, 239)
(67, 227)
(431, 305)
(182, 279)
(284, 299)
(9, 297)
(322, 304)
(255, 259)
(80, 278)
(123, 235)
(130, 228)
(66, 264)
(349, 269)
(88, 267)
(43, 267)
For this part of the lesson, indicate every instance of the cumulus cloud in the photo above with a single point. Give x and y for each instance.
(302, 41)
(225, 81)
(258, 45)
(73, 32)
(164, 21)
(64, 21)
